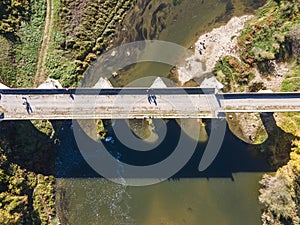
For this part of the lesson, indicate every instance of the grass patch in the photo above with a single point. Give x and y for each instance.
(292, 81)
(290, 85)
(266, 36)
(20, 55)
(44, 126)
(82, 30)
(261, 136)
(289, 122)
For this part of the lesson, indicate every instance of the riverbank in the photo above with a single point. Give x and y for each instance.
(20, 38)
(27, 169)
(70, 52)
(103, 203)
(211, 47)
(268, 49)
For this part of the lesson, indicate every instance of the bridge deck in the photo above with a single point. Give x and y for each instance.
(133, 103)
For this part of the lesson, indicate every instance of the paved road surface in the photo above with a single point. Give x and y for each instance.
(133, 103)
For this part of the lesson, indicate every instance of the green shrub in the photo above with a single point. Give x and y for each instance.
(265, 37)
(233, 73)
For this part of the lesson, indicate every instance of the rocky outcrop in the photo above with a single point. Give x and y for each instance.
(103, 83)
(2, 86)
(158, 83)
(212, 46)
(50, 84)
(248, 127)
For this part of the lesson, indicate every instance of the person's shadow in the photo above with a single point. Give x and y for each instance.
(28, 108)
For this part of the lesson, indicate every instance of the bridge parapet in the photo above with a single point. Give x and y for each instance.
(130, 103)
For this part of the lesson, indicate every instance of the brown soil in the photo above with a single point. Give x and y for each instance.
(40, 75)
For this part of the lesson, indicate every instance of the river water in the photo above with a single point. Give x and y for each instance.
(224, 194)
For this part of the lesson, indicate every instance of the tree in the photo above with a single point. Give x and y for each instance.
(280, 194)
(12, 12)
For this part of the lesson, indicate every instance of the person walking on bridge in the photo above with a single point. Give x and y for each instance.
(28, 107)
(154, 99)
(149, 99)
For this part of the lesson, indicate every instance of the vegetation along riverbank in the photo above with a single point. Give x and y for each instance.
(264, 54)
(269, 59)
(40, 39)
(259, 53)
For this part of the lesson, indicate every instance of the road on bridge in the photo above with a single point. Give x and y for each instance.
(18, 104)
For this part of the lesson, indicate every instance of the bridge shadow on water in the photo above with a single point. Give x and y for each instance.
(233, 157)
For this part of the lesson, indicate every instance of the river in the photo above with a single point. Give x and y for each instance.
(224, 194)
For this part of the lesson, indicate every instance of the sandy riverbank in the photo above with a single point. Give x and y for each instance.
(210, 47)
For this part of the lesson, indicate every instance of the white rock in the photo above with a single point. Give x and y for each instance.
(211, 82)
(158, 83)
(265, 91)
(103, 83)
(2, 86)
(50, 84)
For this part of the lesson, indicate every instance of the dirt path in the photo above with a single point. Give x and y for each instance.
(40, 75)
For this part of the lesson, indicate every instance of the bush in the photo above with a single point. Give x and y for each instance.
(266, 36)
(280, 194)
(233, 73)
